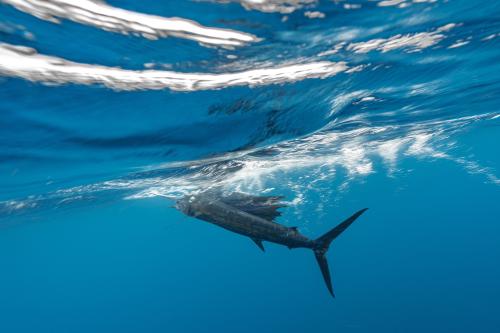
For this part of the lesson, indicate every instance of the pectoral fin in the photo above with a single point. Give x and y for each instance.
(259, 244)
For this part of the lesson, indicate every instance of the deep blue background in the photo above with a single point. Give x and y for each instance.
(424, 257)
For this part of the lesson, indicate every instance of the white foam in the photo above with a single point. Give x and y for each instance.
(98, 14)
(26, 63)
(300, 165)
(274, 6)
(414, 42)
(402, 3)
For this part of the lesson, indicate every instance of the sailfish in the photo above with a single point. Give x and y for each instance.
(254, 217)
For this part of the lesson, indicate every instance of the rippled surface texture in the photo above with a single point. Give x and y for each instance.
(112, 110)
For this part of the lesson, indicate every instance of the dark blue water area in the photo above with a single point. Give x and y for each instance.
(424, 257)
(90, 240)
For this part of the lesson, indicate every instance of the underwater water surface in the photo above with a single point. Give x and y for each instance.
(111, 111)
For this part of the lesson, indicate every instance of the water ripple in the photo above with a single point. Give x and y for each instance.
(323, 94)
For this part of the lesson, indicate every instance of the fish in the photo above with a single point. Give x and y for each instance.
(254, 217)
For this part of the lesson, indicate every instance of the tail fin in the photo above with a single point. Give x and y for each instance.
(323, 243)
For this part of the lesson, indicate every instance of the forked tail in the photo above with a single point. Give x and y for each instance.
(323, 243)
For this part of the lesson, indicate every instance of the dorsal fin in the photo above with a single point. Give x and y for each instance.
(265, 207)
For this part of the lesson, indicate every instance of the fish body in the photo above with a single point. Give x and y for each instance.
(212, 209)
(253, 216)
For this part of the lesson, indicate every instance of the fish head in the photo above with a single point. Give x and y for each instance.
(185, 205)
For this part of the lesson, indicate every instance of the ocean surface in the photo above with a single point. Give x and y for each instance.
(110, 111)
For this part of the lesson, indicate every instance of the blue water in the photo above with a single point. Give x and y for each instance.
(89, 238)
